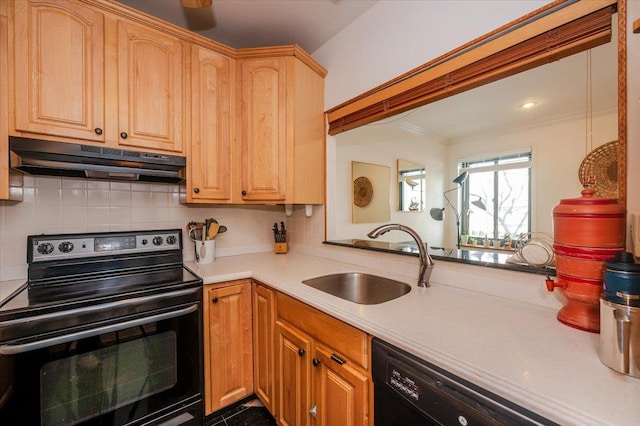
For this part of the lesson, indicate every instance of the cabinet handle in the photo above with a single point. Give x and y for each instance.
(316, 362)
(123, 135)
(314, 410)
(338, 360)
(215, 299)
(300, 352)
(196, 190)
(98, 130)
(244, 192)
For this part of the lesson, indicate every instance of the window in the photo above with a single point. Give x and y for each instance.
(503, 184)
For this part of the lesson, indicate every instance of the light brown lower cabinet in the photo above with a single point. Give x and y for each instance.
(264, 353)
(340, 391)
(308, 368)
(317, 383)
(228, 357)
(294, 376)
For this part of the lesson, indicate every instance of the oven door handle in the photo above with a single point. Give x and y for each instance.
(39, 344)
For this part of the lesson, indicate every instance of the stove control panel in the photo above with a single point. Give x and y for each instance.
(63, 246)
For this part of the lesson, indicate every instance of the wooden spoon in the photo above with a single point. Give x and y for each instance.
(213, 230)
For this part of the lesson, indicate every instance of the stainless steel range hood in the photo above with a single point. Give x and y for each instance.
(39, 157)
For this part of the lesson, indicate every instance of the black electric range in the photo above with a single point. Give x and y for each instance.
(115, 317)
(73, 270)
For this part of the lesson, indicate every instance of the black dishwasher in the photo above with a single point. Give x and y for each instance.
(411, 391)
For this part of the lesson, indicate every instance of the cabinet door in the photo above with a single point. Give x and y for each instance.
(229, 373)
(263, 129)
(59, 69)
(294, 373)
(340, 391)
(150, 88)
(264, 345)
(209, 158)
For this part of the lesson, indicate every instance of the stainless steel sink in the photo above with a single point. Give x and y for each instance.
(359, 287)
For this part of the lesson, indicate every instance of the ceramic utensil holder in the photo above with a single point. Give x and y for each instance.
(209, 252)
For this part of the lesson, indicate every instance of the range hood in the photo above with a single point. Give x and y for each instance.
(39, 157)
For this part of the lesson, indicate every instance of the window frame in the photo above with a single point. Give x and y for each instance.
(466, 165)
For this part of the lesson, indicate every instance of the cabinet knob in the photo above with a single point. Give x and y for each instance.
(215, 299)
(314, 410)
(196, 190)
(300, 352)
(123, 135)
(316, 362)
(244, 192)
(98, 130)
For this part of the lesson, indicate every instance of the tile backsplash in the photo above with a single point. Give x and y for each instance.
(64, 205)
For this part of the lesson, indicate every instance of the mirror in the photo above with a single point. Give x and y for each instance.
(576, 111)
(370, 192)
(410, 186)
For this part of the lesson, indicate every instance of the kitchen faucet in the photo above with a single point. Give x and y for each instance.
(426, 262)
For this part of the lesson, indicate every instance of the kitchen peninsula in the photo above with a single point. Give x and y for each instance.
(514, 349)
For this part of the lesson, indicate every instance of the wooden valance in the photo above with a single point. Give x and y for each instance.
(536, 39)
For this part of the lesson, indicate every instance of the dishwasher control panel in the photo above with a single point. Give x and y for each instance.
(404, 384)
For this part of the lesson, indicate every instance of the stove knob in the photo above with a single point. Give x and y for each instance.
(65, 247)
(144, 242)
(157, 241)
(45, 248)
(171, 239)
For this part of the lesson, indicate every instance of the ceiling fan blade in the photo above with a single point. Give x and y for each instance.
(196, 3)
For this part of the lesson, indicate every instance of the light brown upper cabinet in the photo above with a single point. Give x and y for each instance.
(82, 75)
(150, 89)
(264, 129)
(208, 174)
(59, 69)
(281, 127)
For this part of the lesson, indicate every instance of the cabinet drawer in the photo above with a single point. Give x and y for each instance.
(345, 339)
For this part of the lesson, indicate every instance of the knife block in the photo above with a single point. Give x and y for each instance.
(281, 248)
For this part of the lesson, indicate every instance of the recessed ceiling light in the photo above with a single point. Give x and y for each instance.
(528, 105)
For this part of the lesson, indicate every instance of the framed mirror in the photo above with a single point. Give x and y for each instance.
(444, 121)
(411, 186)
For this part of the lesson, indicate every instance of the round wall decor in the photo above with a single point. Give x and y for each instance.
(362, 191)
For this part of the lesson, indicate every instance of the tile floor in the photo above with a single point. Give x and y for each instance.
(251, 413)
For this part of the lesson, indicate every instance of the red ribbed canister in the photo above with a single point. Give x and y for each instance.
(587, 232)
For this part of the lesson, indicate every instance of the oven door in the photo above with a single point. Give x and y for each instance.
(138, 363)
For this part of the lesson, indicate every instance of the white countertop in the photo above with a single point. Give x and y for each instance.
(516, 350)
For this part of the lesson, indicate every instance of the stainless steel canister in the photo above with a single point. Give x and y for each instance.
(620, 337)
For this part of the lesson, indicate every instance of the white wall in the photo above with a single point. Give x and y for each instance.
(395, 36)
(391, 38)
(557, 151)
(558, 148)
(390, 145)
